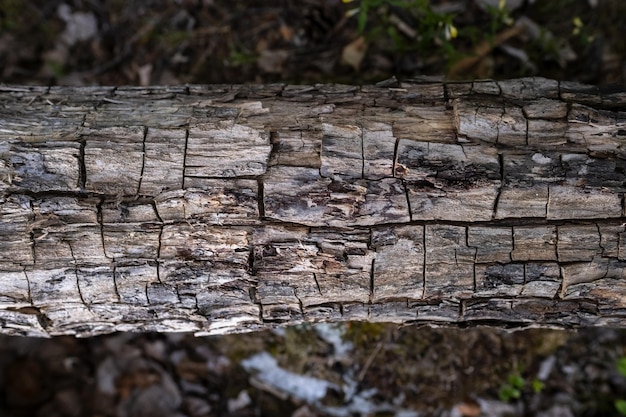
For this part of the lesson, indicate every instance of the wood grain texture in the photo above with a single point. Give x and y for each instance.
(230, 208)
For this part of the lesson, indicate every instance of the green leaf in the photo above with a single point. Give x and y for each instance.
(516, 380)
(508, 393)
(621, 366)
(362, 19)
(537, 385)
(620, 405)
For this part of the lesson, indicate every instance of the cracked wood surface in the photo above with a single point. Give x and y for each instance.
(218, 209)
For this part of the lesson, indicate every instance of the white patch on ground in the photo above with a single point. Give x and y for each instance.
(301, 387)
(79, 26)
(333, 334)
(313, 390)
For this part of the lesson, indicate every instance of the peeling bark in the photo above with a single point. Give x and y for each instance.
(220, 209)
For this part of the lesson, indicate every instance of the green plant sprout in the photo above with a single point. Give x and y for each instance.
(620, 405)
(515, 385)
(240, 56)
(440, 39)
(427, 30)
(581, 31)
(429, 21)
(500, 17)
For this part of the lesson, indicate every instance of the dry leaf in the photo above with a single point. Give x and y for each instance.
(468, 409)
(354, 52)
(286, 33)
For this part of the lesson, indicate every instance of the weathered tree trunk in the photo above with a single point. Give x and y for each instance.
(218, 209)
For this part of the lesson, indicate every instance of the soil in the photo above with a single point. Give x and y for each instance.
(351, 369)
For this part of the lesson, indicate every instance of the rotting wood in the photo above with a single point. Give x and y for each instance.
(220, 209)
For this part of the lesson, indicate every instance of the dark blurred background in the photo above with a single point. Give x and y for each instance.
(355, 369)
(115, 42)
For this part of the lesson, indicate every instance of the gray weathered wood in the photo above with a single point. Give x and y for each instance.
(217, 209)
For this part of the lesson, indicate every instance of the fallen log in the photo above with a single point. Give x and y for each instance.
(231, 208)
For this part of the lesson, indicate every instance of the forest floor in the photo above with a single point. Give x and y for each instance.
(350, 369)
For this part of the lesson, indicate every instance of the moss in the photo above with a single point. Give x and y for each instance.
(300, 344)
(364, 333)
(241, 346)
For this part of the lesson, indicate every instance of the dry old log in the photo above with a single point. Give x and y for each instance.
(217, 209)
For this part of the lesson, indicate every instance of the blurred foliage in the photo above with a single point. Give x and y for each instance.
(620, 404)
(516, 385)
(561, 31)
(273, 41)
(364, 333)
(428, 28)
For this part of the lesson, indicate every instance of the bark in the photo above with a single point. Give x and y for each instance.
(217, 209)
